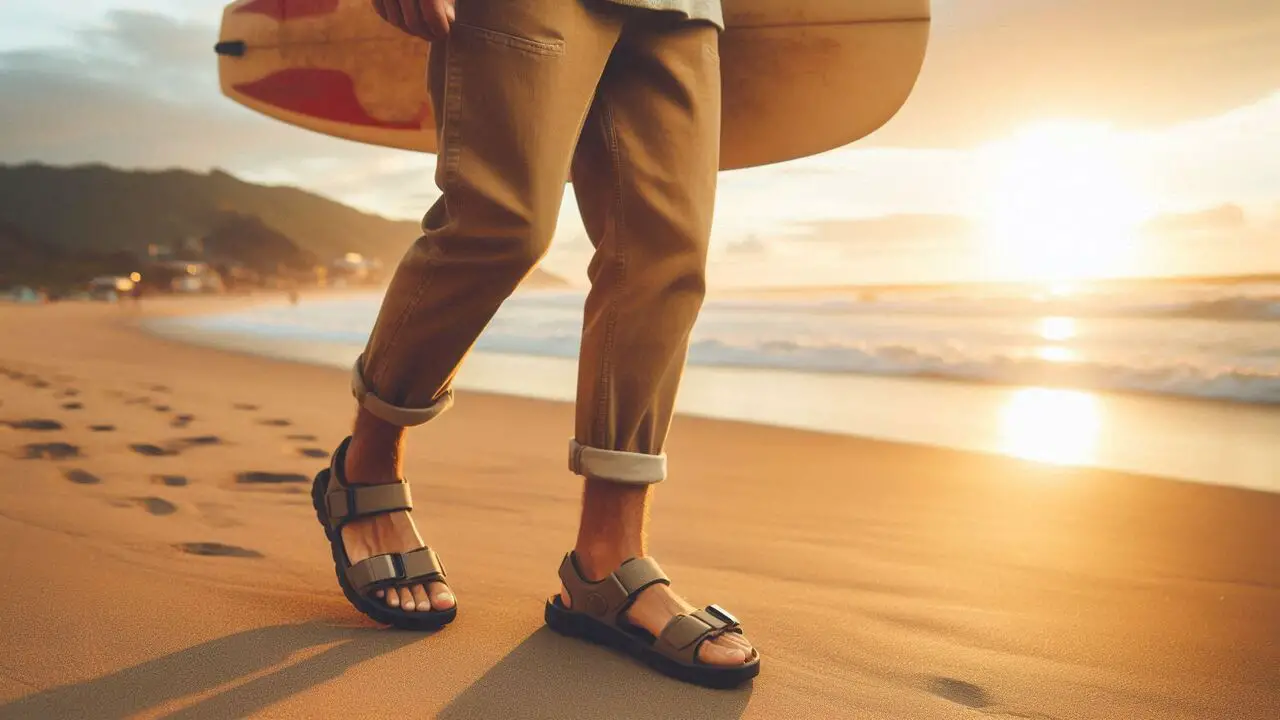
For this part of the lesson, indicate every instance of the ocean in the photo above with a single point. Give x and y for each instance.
(1174, 379)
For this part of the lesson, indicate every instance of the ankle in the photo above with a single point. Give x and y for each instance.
(373, 457)
(596, 559)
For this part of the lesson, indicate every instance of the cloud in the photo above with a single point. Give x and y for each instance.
(1221, 219)
(141, 90)
(993, 65)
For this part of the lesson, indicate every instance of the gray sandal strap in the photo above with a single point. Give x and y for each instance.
(351, 502)
(412, 568)
(607, 599)
(682, 637)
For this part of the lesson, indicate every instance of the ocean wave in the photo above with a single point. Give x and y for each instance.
(1238, 308)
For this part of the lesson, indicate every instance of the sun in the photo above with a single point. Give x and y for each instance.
(1063, 201)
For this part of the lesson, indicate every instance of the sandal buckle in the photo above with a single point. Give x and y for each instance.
(397, 565)
(721, 614)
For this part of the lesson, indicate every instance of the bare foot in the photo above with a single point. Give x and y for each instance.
(394, 533)
(655, 607)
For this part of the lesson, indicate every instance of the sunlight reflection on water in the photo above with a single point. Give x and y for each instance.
(1052, 426)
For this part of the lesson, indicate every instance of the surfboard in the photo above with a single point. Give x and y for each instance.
(800, 77)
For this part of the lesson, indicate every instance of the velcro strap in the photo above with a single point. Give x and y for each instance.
(638, 574)
(374, 571)
(396, 569)
(685, 630)
(350, 502)
(422, 564)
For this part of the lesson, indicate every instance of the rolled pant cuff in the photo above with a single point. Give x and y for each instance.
(616, 466)
(388, 413)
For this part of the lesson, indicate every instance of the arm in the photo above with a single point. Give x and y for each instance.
(429, 19)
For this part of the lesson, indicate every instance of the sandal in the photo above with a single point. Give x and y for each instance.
(337, 504)
(599, 615)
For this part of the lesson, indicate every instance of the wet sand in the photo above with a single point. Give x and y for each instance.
(164, 561)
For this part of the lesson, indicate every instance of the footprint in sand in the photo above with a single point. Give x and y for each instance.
(50, 451)
(151, 450)
(161, 408)
(102, 428)
(170, 480)
(302, 438)
(317, 453)
(959, 692)
(245, 407)
(181, 421)
(175, 447)
(275, 422)
(156, 506)
(73, 406)
(268, 478)
(212, 549)
(81, 477)
(68, 393)
(160, 389)
(35, 425)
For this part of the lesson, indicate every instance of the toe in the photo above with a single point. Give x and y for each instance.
(406, 599)
(380, 594)
(715, 653)
(441, 596)
(420, 599)
(392, 598)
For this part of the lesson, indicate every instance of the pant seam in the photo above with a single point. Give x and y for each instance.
(619, 257)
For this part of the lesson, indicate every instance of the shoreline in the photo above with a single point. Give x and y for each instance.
(916, 582)
(1173, 437)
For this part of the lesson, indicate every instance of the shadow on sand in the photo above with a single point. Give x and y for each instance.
(206, 667)
(546, 676)
(553, 677)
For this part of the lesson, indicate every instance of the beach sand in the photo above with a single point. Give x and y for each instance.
(164, 560)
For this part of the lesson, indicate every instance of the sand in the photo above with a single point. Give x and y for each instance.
(163, 560)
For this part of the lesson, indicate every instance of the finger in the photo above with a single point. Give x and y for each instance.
(442, 16)
(391, 13)
(413, 21)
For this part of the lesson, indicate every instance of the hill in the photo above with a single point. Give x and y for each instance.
(27, 261)
(100, 209)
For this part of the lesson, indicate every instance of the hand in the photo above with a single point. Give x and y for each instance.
(429, 19)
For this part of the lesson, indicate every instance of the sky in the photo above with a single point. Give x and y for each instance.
(1047, 140)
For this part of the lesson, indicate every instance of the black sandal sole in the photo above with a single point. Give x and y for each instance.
(577, 625)
(371, 608)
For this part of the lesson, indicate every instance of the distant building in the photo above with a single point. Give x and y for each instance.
(356, 267)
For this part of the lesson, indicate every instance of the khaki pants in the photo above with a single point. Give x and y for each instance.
(526, 93)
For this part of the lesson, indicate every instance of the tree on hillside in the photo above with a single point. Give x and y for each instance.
(247, 241)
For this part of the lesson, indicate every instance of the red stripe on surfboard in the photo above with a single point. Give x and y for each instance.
(322, 94)
(282, 10)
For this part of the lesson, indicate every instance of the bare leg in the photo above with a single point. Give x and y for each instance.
(644, 174)
(509, 88)
(374, 457)
(612, 531)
